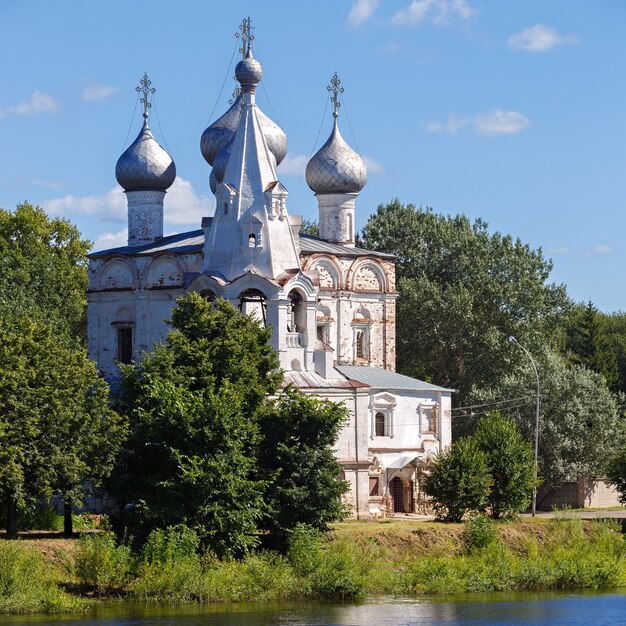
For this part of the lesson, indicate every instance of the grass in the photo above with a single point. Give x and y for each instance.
(354, 560)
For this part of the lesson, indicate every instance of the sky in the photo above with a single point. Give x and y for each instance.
(513, 112)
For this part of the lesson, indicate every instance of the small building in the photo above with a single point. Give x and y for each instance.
(330, 304)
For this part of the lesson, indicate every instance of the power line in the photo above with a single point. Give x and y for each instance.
(496, 402)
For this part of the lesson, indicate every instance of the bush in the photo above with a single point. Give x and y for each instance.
(511, 464)
(39, 517)
(174, 543)
(480, 532)
(27, 585)
(103, 565)
(459, 481)
(304, 549)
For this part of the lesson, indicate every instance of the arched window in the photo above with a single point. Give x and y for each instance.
(297, 313)
(208, 295)
(253, 302)
(251, 240)
(225, 206)
(380, 424)
(360, 344)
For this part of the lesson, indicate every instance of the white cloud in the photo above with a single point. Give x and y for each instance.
(39, 103)
(439, 11)
(559, 250)
(293, 165)
(599, 250)
(183, 206)
(97, 92)
(499, 122)
(373, 166)
(105, 241)
(361, 11)
(539, 38)
(492, 123)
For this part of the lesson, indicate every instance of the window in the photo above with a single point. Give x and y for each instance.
(380, 424)
(321, 332)
(360, 344)
(374, 486)
(225, 206)
(125, 344)
(251, 240)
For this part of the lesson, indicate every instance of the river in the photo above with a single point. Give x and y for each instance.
(495, 608)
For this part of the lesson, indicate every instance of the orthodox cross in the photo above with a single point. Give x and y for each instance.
(335, 88)
(246, 36)
(146, 88)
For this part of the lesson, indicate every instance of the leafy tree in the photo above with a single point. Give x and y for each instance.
(298, 434)
(580, 424)
(193, 406)
(588, 343)
(614, 327)
(44, 270)
(56, 428)
(463, 292)
(616, 473)
(459, 480)
(511, 463)
(310, 227)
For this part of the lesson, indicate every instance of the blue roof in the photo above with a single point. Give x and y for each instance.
(379, 378)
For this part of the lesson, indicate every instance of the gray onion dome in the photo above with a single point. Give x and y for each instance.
(249, 73)
(145, 165)
(220, 132)
(336, 167)
(212, 182)
(221, 162)
(274, 136)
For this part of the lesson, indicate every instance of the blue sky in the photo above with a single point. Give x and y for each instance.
(514, 112)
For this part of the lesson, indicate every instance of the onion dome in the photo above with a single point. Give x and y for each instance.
(248, 72)
(218, 134)
(145, 165)
(221, 162)
(336, 167)
(274, 136)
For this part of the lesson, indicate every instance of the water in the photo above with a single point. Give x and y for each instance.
(552, 608)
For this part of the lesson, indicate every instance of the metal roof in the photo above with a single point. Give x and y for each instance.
(378, 378)
(192, 241)
(311, 244)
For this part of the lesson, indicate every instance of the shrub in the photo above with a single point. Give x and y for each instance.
(304, 549)
(103, 565)
(39, 517)
(479, 533)
(27, 585)
(459, 481)
(511, 464)
(175, 543)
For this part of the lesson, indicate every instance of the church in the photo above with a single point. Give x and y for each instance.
(330, 304)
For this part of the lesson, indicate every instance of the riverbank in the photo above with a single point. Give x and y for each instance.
(45, 573)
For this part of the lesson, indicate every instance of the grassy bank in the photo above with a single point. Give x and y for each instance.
(356, 559)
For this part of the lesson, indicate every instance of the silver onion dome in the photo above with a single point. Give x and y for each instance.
(336, 167)
(274, 136)
(220, 132)
(221, 162)
(145, 165)
(249, 72)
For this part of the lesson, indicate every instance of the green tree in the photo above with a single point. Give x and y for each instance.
(614, 326)
(463, 292)
(616, 473)
(580, 425)
(193, 406)
(296, 457)
(44, 270)
(310, 227)
(588, 343)
(56, 428)
(459, 480)
(511, 463)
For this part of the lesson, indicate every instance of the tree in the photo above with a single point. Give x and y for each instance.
(463, 292)
(56, 428)
(459, 480)
(616, 473)
(310, 227)
(193, 406)
(44, 270)
(296, 457)
(511, 464)
(580, 425)
(588, 343)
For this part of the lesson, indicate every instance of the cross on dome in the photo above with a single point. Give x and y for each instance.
(145, 87)
(246, 36)
(334, 87)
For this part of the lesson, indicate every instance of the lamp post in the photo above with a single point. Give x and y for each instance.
(534, 504)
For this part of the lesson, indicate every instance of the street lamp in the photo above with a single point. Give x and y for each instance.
(534, 504)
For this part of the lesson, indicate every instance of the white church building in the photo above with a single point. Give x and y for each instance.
(331, 305)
